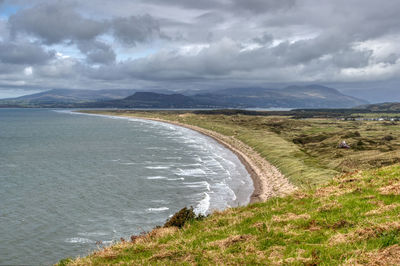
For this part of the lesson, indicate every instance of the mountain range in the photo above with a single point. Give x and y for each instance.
(312, 96)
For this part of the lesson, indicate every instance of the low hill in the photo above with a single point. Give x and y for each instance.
(382, 107)
(149, 100)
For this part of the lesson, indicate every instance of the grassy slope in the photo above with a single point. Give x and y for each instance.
(350, 219)
(353, 219)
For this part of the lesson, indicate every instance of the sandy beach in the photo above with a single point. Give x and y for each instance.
(268, 180)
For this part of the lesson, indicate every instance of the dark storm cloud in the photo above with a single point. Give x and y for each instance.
(264, 39)
(97, 52)
(24, 53)
(55, 22)
(7, 68)
(303, 51)
(134, 29)
(60, 21)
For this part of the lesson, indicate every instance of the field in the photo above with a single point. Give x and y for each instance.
(345, 211)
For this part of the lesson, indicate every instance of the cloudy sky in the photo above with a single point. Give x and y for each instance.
(198, 44)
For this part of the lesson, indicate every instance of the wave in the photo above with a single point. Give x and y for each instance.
(191, 172)
(156, 177)
(203, 205)
(157, 148)
(127, 163)
(80, 240)
(158, 167)
(160, 209)
(198, 184)
(93, 234)
(175, 179)
(173, 158)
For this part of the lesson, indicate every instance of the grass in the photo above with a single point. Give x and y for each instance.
(346, 210)
(352, 219)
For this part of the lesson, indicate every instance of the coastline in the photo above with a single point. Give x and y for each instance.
(268, 181)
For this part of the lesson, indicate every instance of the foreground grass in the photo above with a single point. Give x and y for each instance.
(352, 219)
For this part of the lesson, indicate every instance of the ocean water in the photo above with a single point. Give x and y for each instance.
(70, 183)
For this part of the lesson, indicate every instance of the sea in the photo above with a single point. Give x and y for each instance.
(73, 183)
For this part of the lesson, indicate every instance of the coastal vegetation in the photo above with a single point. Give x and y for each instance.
(345, 211)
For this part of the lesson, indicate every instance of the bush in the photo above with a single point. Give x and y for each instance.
(359, 145)
(181, 217)
(304, 139)
(354, 134)
(65, 261)
(388, 138)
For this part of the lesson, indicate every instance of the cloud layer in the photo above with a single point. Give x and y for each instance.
(189, 45)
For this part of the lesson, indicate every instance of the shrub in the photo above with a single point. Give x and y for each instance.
(181, 217)
(65, 261)
(359, 145)
(354, 134)
(388, 138)
(304, 139)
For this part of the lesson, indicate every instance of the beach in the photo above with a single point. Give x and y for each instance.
(267, 179)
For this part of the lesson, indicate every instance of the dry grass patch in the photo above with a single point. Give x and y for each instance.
(329, 191)
(392, 189)
(386, 256)
(287, 217)
(383, 208)
(276, 253)
(180, 256)
(334, 204)
(298, 194)
(225, 243)
(364, 233)
(338, 238)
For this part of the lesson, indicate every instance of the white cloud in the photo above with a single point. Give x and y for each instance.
(28, 71)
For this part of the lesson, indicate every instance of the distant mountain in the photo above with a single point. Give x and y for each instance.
(313, 96)
(148, 100)
(382, 107)
(67, 97)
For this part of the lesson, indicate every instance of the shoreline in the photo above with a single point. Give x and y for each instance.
(268, 181)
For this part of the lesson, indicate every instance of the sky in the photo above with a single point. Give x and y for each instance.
(192, 45)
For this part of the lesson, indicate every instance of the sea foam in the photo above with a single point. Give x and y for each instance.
(160, 209)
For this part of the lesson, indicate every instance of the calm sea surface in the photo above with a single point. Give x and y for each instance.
(68, 180)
